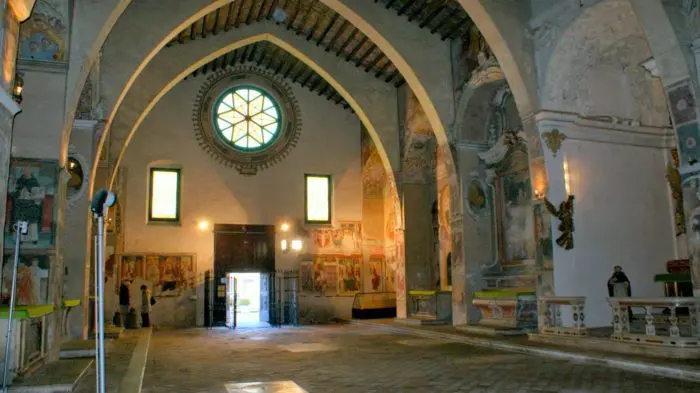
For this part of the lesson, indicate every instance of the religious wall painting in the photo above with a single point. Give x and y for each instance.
(306, 273)
(477, 197)
(673, 176)
(31, 197)
(45, 35)
(349, 275)
(170, 274)
(32, 286)
(688, 139)
(346, 239)
(375, 272)
(416, 124)
(543, 236)
(514, 214)
(373, 173)
(330, 277)
(682, 102)
(131, 266)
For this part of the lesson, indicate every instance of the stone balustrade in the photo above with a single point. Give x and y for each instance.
(667, 321)
(549, 318)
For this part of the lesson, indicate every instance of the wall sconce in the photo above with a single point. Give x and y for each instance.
(284, 245)
(18, 87)
(297, 245)
(565, 213)
(284, 227)
(539, 179)
(203, 225)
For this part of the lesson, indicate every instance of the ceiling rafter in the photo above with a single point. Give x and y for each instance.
(446, 18)
(277, 61)
(308, 18)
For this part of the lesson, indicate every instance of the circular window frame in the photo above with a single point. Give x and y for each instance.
(73, 199)
(262, 92)
(247, 162)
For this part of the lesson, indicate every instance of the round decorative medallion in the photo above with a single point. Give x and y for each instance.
(682, 105)
(77, 186)
(246, 118)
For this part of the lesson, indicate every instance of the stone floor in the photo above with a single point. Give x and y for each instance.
(118, 356)
(346, 358)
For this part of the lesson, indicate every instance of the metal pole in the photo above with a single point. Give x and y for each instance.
(20, 228)
(96, 316)
(101, 304)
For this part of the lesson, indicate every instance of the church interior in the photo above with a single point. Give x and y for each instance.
(515, 174)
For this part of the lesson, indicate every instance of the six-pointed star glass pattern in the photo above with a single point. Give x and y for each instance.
(247, 117)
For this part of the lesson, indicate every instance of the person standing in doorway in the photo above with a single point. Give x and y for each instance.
(124, 302)
(145, 306)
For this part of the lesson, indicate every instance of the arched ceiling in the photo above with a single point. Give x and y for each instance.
(275, 59)
(318, 23)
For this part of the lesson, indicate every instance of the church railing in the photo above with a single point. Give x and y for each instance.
(666, 321)
(549, 315)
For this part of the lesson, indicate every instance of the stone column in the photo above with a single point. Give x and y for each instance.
(683, 103)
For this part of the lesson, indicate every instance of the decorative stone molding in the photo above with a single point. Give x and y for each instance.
(605, 130)
(247, 163)
(554, 139)
(54, 67)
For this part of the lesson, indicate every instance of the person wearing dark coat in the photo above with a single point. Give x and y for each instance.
(619, 286)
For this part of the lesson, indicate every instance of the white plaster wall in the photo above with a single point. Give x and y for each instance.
(622, 217)
(37, 130)
(329, 143)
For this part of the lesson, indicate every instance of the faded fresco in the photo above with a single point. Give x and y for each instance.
(170, 274)
(375, 273)
(349, 276)
(515, 197)
(32, 279)
(46, 35)
(344, 239)
(31, 197)
(465, 56)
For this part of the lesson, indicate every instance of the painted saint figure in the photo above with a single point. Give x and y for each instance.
(29, 196)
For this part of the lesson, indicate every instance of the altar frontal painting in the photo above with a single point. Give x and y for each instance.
(32, 279)
(31, 197)
(45, 36)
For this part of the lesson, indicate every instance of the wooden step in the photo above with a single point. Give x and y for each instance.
(53, 377)
(77, 349)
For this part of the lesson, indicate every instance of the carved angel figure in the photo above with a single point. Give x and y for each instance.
(565, 214)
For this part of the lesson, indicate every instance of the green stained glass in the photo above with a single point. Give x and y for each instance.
(247, 118)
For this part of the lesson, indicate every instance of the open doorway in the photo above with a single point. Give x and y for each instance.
(245, 303)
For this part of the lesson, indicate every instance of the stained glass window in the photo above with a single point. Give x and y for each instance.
(164, 201)
(247, 118)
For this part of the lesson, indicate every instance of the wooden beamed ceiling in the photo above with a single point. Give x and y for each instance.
(317, 23)
(271, 57)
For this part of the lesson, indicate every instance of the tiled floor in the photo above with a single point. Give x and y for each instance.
(358, 359)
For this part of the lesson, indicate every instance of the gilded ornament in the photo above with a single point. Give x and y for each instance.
(553, 139)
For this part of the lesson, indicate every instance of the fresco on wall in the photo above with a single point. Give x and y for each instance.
(465, 55)
(131, 266)
(373, 173)
(32, 279)
(516, 217)
(375, 273)
(543, 236)
(344, 239)
(31, 195)
(349, 276)
(330, 277)
(45, 35)
(170, 274)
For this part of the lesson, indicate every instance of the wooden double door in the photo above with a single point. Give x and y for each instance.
(240, 249)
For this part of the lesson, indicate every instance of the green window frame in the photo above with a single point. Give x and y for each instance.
(157, 214)
(318, 199)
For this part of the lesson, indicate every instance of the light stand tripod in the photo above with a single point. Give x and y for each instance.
(101, 203)
(21, 228)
